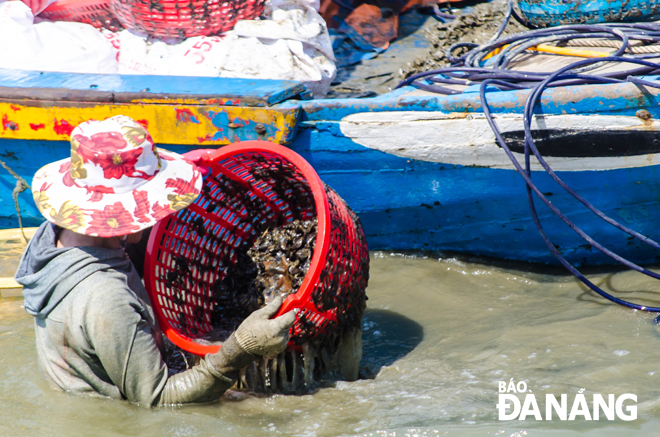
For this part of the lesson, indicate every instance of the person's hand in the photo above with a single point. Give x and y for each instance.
(260, 335)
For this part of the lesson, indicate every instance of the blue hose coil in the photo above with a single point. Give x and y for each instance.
(471, 68)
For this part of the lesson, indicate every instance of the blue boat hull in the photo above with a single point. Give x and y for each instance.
(406, 203)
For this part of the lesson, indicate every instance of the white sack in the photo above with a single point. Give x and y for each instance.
(60, 46)
(293, 43)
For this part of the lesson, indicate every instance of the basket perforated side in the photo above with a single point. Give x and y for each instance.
(344, 279)
(184, 18)
(249, 190)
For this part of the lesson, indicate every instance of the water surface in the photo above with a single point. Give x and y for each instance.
(438, 336)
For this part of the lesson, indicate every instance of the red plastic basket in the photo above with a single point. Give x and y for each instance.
(94, 12)
(252, 186)
(184, 18)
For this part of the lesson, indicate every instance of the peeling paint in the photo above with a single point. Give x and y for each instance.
(185, 115)
(202, 123)
(241, 128)
(63, 127)
(584, 99)
(206, 101)
(8, 124)
(548, 13)
(469, 141)
(9, 154)
(36, 127)
(207, 138)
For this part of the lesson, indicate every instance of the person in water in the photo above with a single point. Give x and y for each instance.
(95, 328)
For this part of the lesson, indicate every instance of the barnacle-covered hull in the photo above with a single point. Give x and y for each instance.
(549, 13)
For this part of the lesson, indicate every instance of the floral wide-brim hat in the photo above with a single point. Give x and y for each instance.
(116, 181)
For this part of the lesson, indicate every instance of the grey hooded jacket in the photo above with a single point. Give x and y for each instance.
(96, 332)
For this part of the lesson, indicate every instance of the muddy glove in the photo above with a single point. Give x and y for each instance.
(260, 335)
(208, 380)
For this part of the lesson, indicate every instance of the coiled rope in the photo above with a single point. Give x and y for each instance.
(469, 69)
(21, 185)
(633, 46)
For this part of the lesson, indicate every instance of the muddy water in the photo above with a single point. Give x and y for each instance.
(439, 334)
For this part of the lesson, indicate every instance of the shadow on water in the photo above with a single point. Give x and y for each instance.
(642, 294)
(387, 336)
(554, 270)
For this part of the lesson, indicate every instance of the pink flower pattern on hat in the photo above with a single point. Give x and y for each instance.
(102, 141)
(116, 182)
(109, 221)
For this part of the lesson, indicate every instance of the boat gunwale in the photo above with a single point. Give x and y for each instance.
(116, 88)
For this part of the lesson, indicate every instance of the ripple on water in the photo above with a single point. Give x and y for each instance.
(437, 340)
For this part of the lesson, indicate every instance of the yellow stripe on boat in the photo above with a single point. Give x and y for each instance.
(171, 123)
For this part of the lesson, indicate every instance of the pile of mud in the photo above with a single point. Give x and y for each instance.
(477, 26)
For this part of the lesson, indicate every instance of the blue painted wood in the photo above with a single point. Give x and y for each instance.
(547, 13)
(409, 204)
(580, 99)
(431, 206)
(406, 204)
(239, 92)
(25, 158)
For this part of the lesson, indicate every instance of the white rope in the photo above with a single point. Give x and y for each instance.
(634, 47)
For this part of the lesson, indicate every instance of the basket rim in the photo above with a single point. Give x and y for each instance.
(301, 299)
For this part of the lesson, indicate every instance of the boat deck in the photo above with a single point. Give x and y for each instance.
(381, 74)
